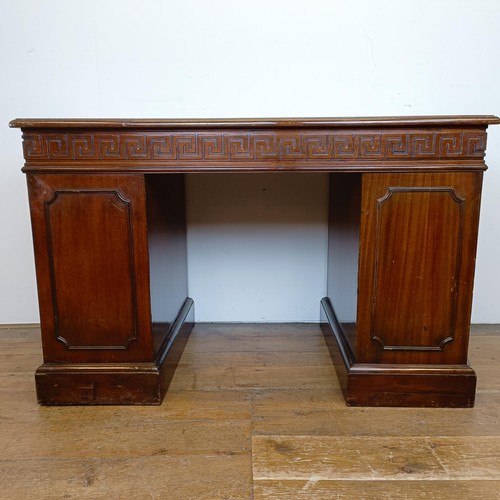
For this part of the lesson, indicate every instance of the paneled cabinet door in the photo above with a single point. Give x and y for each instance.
(91, 257)
(416, 268)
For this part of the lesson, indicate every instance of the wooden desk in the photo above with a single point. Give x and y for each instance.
(108, 216)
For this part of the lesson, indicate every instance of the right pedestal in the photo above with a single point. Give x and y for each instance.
(401, 267)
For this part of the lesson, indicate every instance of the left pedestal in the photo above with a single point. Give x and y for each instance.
(110, 254)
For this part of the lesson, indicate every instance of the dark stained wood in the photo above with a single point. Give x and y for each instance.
(109, 383)
(417, 245)
(394, 121)
(110, 247)
(90, 242)
(94, 258)
(359, 144)
(343, 250)
(416, 268)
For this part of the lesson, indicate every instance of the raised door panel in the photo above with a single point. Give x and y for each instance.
(424, 275)
(92, 269)
(416, 268)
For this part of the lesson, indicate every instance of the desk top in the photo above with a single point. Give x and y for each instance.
(385, 144)
(185, 123)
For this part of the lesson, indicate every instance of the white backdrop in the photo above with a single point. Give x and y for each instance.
(224, 58)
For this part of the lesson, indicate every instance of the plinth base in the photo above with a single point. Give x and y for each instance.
(449, 386)
(116, 383)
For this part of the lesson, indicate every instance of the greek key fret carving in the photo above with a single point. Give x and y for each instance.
(253, 145)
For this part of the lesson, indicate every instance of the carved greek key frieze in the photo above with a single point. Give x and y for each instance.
(253, 145)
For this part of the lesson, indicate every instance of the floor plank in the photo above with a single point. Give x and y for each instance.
(224, 476)
(381, 490)
(367, 457)
(297, 413)
(77, 438)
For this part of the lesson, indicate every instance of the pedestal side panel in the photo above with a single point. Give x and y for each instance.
(343, 250)
(167, 251)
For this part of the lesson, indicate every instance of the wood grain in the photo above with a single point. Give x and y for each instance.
(262, 436)
(225, 476)
(331, 144)
(111, 261)
(380, 489)
(405, 248)
(394, 121)
(380, 457)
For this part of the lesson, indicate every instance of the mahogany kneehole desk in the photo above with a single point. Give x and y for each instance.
(108, 217)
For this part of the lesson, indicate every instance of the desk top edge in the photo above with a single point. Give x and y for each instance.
(185, 123)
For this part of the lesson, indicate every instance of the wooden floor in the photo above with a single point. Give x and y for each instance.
(252, 412)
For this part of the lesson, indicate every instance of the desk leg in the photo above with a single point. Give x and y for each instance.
(406, 341)
(97, 241)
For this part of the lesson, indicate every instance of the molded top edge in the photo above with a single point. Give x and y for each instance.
(385, 121)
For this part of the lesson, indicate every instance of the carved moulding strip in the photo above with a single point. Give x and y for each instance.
(121, 203)
(254, 145)
(460, 201)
